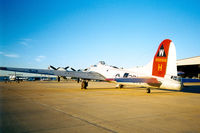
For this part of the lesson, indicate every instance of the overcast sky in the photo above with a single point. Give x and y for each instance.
(79, 33)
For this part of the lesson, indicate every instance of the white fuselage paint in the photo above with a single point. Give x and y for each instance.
(110, 72)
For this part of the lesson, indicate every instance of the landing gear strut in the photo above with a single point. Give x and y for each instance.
(84, 84)
(148, 90)
(58, 78)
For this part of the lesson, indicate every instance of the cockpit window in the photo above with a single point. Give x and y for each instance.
(102, 62)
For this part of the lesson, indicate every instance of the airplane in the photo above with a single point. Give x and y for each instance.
(16, 77)
(160, 72)
(12, 78)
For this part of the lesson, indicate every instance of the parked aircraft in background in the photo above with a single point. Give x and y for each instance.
(12, 78)
(161, 72)
(16, 77)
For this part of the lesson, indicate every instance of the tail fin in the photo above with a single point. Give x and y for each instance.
(164, 62)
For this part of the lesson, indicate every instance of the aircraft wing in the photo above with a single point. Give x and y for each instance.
(76, 74)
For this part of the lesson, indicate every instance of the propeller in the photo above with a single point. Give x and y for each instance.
(62, 68)
(78, 79)
(58, 78)
(70, 68)
(53, 67)
(73, 69)
(66, 67)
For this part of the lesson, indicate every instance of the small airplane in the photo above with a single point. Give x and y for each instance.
(160, 72)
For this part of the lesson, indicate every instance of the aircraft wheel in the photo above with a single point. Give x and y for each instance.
(58, 78)
(85, 87)
(148, 90)
(84, 84)
(121, 86)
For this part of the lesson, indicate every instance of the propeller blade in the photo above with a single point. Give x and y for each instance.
(73, 69)
(53, 67)
(66, 67)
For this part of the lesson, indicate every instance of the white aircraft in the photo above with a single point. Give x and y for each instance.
(12, 77)
(161, 72)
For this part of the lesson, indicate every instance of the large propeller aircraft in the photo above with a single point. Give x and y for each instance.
(160, 72)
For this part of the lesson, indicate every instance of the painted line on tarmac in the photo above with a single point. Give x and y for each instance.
(76, 117)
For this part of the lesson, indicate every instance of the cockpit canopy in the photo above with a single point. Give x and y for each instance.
(102, 62)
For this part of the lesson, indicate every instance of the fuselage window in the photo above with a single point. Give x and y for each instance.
(126, 75)
(117, 75)
(131, 76)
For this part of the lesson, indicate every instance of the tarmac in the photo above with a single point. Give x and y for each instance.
(51, 107)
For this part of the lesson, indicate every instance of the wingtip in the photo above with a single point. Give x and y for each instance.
(3, 68)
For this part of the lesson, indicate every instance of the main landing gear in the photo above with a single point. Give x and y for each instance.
(84, 84)
(119, 86)
(148, 90)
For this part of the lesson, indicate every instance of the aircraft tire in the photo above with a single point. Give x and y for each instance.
(84, 85)
(121, 86)
(148, 90)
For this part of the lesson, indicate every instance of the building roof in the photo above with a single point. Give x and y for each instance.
(189, 61)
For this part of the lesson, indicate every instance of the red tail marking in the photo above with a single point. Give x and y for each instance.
(160, 59)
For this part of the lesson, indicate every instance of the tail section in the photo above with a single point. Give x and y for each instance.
(164, 62)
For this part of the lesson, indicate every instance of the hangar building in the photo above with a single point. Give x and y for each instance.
(190, 67)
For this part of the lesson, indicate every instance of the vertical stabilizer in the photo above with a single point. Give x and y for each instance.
(164, 62)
